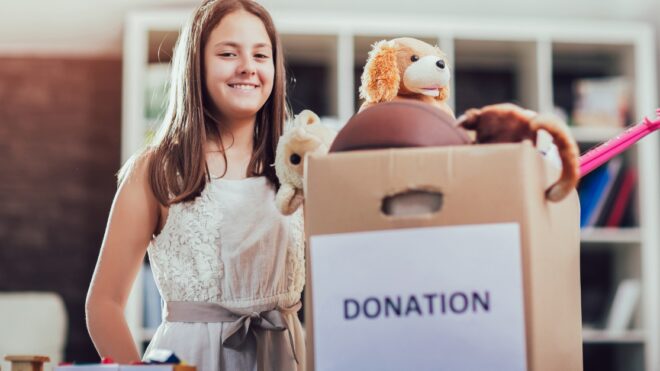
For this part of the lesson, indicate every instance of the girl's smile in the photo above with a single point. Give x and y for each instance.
(244, 86)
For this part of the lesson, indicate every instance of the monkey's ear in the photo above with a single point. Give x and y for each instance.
(380, 79)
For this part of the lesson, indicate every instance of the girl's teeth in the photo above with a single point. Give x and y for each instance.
(244, 87)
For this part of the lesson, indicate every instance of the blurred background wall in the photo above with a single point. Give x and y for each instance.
(60, 112)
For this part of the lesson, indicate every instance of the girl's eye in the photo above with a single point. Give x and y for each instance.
(227, 54)
(261, 56)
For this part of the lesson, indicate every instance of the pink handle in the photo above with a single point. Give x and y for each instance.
(606, 151)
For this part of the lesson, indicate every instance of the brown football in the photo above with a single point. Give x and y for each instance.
(398, 124)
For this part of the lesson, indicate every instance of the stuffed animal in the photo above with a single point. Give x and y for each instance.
(406, 68)
(505, 123)
(303, 136)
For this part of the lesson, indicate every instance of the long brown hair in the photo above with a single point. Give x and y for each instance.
(177, 160)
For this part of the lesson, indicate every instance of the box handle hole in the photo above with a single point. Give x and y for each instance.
(412, 203)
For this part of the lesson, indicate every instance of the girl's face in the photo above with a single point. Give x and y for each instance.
(239, 68)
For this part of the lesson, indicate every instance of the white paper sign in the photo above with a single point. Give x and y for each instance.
(441, 298)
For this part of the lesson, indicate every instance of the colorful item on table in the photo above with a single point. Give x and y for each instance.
(159, 356)
(158, 359)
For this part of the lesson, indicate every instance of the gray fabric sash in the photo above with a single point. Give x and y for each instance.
(240, 325)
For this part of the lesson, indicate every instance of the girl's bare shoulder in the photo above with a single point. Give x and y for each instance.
(136, 169)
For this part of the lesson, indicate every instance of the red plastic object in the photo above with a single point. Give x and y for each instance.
(606, 151)
(107, 361)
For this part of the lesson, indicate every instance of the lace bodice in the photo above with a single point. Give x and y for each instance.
(231, 246)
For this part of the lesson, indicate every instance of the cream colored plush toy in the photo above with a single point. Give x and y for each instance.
(303, 136)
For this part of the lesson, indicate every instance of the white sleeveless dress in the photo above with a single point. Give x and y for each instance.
(230, 246)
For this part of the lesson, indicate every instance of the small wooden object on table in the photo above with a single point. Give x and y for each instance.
(27, 363)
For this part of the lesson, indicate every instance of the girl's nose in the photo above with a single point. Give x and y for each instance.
(247, 67)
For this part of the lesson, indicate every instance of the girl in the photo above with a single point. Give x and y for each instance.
(200, 201)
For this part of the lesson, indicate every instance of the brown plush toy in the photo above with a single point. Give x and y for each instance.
(406, 68)
(506, 123)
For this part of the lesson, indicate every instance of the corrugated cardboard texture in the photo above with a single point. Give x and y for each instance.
(480, 184)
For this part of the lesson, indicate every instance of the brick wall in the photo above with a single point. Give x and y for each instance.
(59, 148)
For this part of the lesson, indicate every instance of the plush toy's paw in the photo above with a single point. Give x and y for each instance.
(499, 123)
(296, 201)
(288, 199)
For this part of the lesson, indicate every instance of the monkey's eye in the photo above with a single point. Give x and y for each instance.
(414, 58)
(295, 159)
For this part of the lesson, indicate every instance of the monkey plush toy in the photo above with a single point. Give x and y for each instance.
(506, 123)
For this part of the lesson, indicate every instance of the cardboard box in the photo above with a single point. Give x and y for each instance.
(493, 227)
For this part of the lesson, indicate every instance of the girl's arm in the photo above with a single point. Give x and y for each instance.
(132, 222)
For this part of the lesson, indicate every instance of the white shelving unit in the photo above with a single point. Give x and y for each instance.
(611, 235)
(604, 337)
(531, 50)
